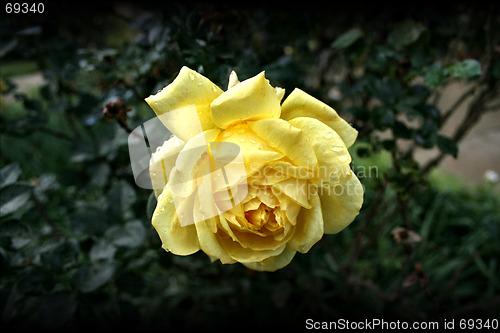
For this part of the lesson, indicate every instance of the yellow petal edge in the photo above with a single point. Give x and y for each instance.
(301, 104)
(188, 88)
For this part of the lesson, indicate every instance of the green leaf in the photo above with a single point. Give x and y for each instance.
(102, 250)
(9, 174)
(363, 152)
(447, 145)
(382, 117)
(151, 205)
(389, 144)
(432, 112)
(387, 90)
(100, 174)
(88, 221)
(400, 130)
(429, 127)
(466, 68)
(90, 277)
(121, 198)
(132, 235)
(8, 46)
(14, 197)
(35, 280)
(60, 256)
(405, 33)
(420, 58)
(348, 38)
(435, 75)
(381, 56)
(15, 234)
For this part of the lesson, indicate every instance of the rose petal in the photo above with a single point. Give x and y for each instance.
(266, 196)
(296, 189)
(251, 99)
(192, 162)
(241, 135)
(244, 237)
(292, 211)
(176, 239)
(162, 162)
(252, 204)
(341, 200)
(205, 205)
(188, 88)
(286, 169)
(265, 176)
(331, 152)
(246, 255)
(309, 227)
(272, 264)
(233, 80)
(209, 242)
(287, 139)
(341, 203)
(290, 207)
(301, 104)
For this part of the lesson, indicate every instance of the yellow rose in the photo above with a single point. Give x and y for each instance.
(298, 183)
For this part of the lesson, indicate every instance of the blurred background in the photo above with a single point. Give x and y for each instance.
(419, 82)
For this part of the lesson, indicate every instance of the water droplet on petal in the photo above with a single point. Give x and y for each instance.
(227, 134)
(254, 165)
(191, 76)
(242, 140)
(252, 141)
(328, 135)
(336, 148)
(343, 158)
(241, 131)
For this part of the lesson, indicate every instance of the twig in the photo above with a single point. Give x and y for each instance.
(124, 125)
(493, 108)
(476, 110)
(456, 105)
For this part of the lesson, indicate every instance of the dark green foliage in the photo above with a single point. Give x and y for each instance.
(77, 249)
